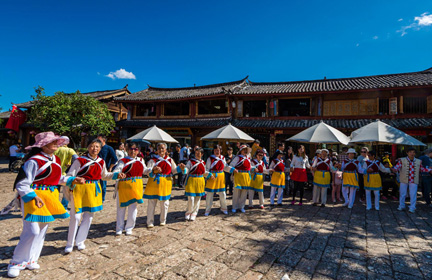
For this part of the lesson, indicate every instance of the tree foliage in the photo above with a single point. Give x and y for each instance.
(70, 114)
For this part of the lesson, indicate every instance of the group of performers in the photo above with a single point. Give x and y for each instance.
(37, 185)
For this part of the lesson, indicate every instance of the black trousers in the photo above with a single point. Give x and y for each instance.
(299, 186)
(11, 160)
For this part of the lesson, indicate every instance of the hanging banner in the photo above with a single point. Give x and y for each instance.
(393, 106)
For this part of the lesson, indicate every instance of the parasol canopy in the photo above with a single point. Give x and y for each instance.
(321, 133)
(229, 133)
(153, 134)
(382, 133)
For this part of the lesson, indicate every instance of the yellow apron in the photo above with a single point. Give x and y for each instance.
(372, 181)
(242, 180)
(350, 179)
(278, 180)
(195, 185)
(257, 182)
(158, 187)
(130, 190)
(322, 179)
(218, 184)
(88, 197)
(52, 209)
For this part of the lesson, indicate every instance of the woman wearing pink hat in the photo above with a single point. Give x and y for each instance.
(242, 178)
(36, 184)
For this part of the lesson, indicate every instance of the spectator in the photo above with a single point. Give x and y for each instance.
(256, 146)
(176, 158)
(386, 158)
(361, 159)
(67, 156)
(288, 159)
(229, 182)
(107, 153)
(343, 155)
(121, 152)
(426, 177)
(389, 181)
(13, 150)
(280, 148)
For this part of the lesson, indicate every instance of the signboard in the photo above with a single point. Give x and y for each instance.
(393, 106)
(278, 132)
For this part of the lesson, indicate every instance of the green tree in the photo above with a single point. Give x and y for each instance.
(70, 114)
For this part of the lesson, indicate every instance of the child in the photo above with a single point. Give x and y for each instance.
(337, 182)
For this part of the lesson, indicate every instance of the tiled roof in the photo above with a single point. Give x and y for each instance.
(413, 79)
(95, 94)
(176, 123)
(154, 93)
(350, 124)
(5, 115)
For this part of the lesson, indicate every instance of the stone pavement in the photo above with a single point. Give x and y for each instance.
(304, 242)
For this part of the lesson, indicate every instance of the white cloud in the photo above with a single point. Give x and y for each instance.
(357, 44)
(121, 74)
(423, 20)
(375, 37)
(401, 19)
(98, 73)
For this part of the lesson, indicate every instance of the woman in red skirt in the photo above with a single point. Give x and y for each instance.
(299, 164)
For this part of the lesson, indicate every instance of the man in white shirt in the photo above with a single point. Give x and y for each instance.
(13, 150)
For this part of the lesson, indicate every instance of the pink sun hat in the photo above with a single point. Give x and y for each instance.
(44, 138)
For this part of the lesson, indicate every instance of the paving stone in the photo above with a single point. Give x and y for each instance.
(329, 269)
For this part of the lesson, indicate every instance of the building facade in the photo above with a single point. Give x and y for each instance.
(272, 112)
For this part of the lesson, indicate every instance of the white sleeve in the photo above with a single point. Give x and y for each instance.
(307, 165)
(315, 163)
(119, 166)
(174, 168)
(23, 186)
(384, 169)
(146, 170)
(234, 162)
(272, 165)
(208, 164)
(108, 175)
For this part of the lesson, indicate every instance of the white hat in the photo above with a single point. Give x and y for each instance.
(325, 150)
(318, 151)
(351, 151)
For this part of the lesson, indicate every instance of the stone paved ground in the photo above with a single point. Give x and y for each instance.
(305, 242)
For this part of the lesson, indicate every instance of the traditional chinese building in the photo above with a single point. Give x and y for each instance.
(272, 112)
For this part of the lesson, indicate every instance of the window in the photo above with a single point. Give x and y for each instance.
(255, 108)
(212, 107)
(383, 106)
(176, 109)
(415, 105)
(294, 107)
(145, 110)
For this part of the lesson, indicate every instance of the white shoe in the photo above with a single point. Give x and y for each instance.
(225, 212)
(81, 246)
(345, 204)
(163, 224)
(128, 232)
(187, 217)
(401, 208)
(150, 226)
(68, 249)
(33, 266)
(13, 271)
(193, 217)
(242, 210)
(234, 210)
(118, 233)
(206, 214)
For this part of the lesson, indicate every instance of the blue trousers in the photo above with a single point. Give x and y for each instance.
(103, 186)
(427, 187)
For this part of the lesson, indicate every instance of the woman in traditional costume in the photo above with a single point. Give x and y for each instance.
(159, 184)
(257, 183)
(86, 198)
(242, 178)
(129, 191)
(372, 179)
(37, 185)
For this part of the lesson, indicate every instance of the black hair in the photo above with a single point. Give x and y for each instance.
(215, 147)
(199, 149)
(95, 141)
(102, 136)
(21, 174)
(410, 149)
(372, 153)
(131, 144)
(280, 144)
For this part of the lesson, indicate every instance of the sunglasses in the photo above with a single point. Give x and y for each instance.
(363, 152)
(133, 149)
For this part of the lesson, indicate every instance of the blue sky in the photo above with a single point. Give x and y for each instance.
(75, 45)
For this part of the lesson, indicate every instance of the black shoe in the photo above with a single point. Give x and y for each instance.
(279, 205)
(322, 205)
(314, 204)
(271, 205)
